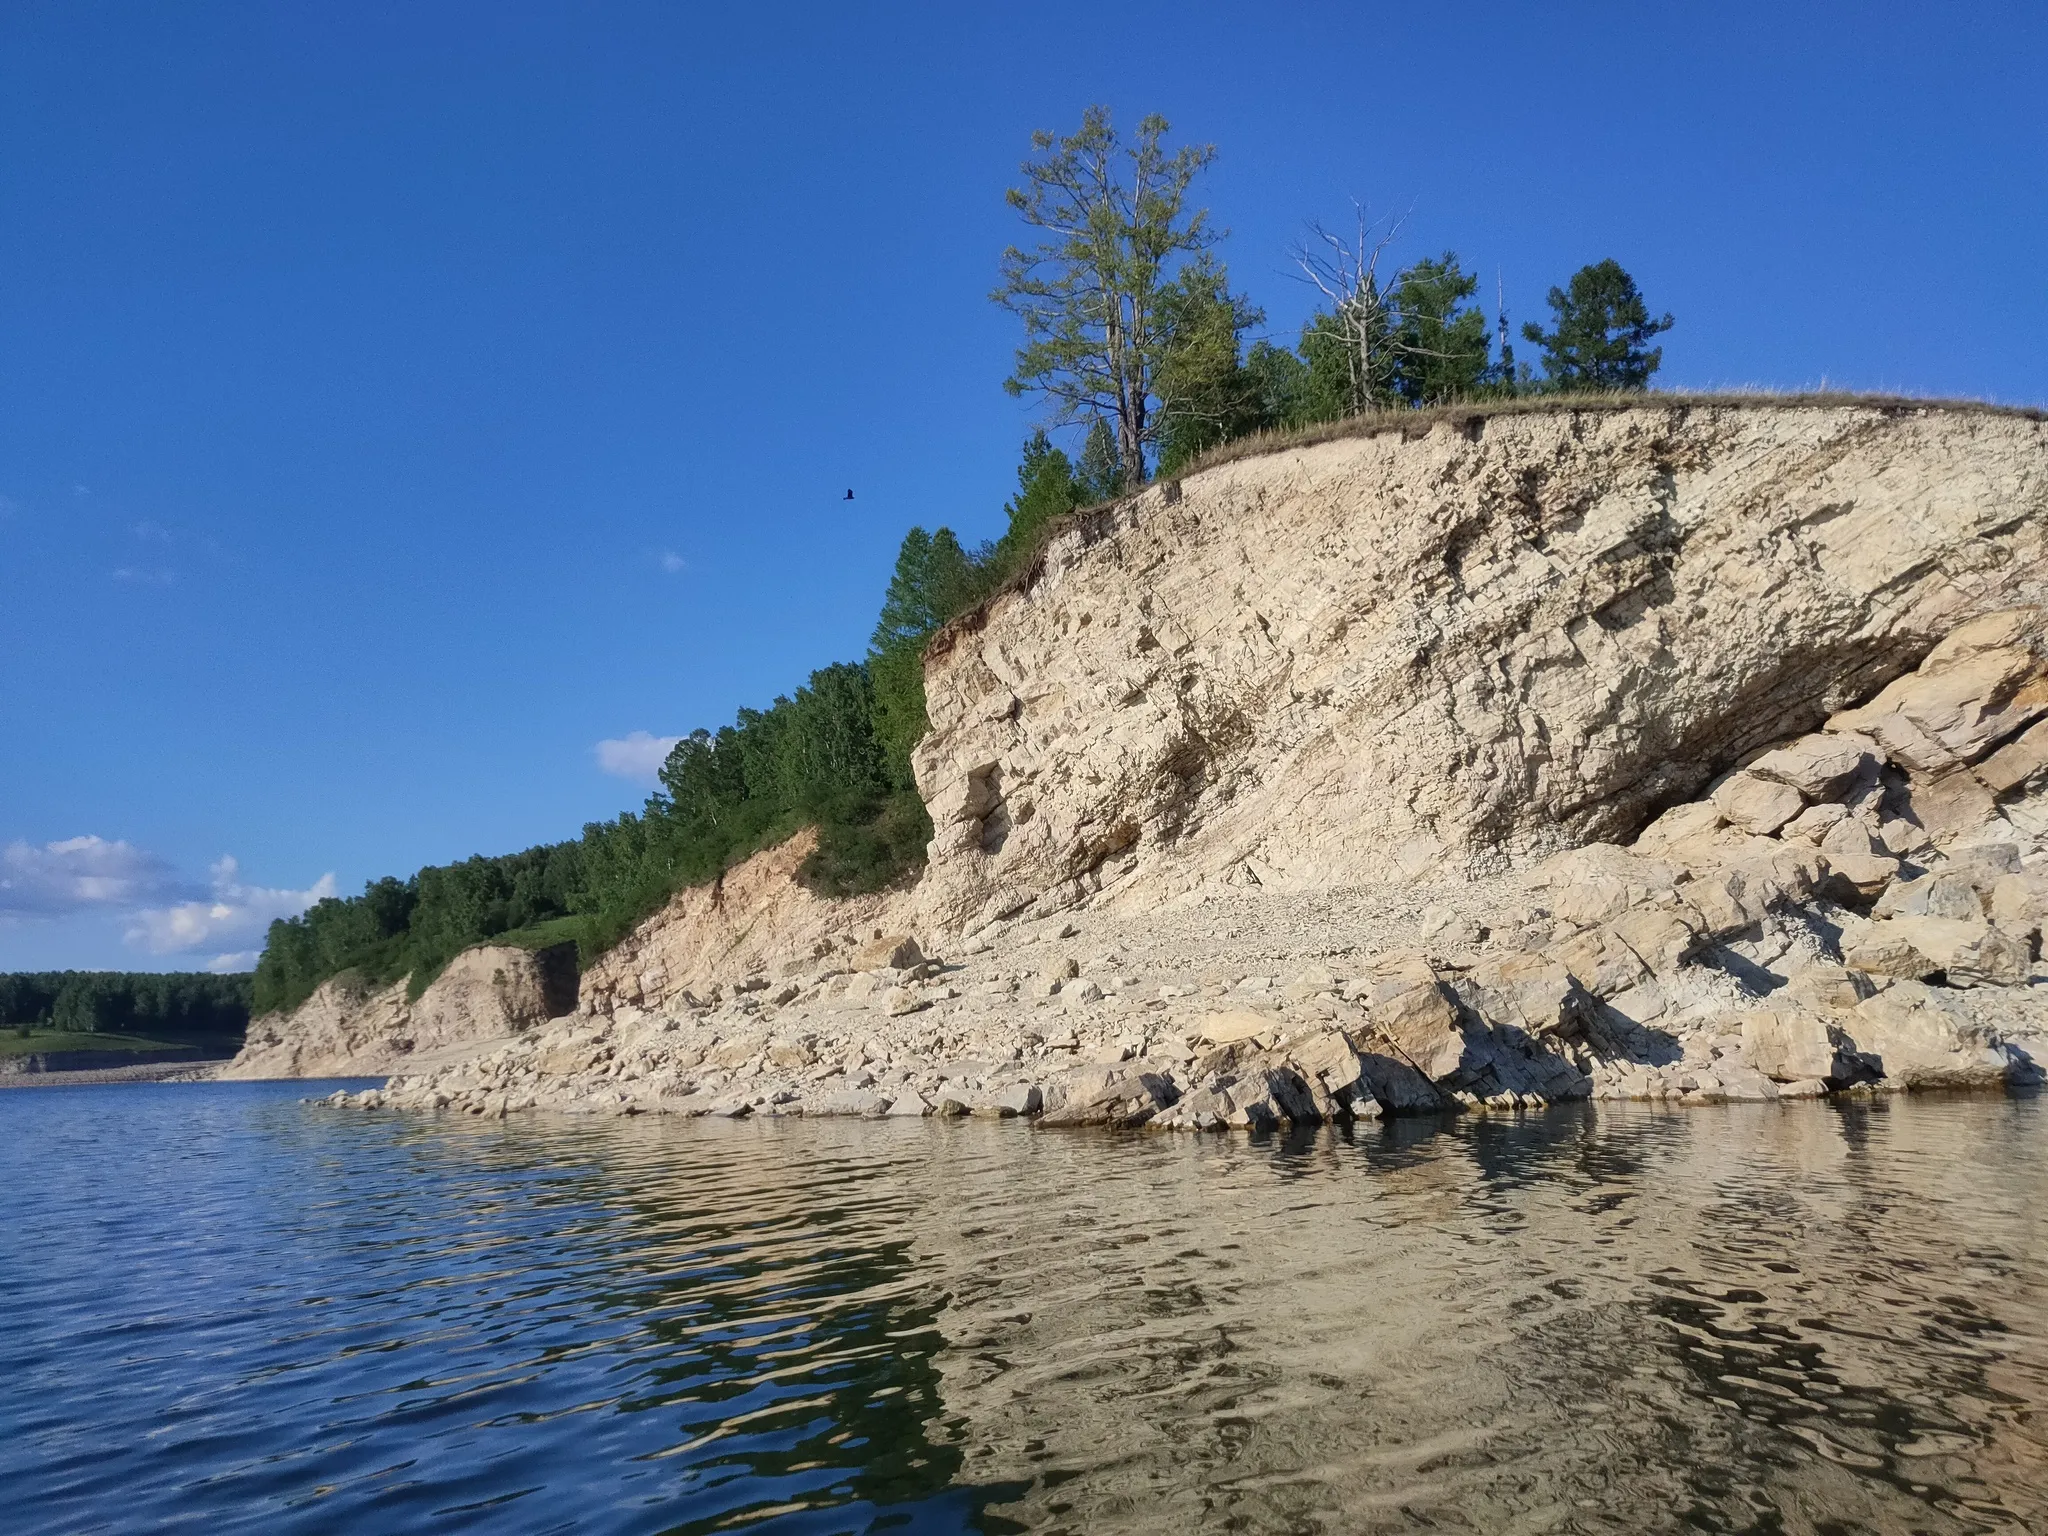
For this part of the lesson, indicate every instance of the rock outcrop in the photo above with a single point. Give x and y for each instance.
(348, 1030)
(1672, 752)
(752, 926)
(1379, 656)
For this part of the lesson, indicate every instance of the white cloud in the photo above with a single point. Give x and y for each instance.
(149, 576)
(81, 874)
(638, 756)
(231, 913)
(166, 914)
(672, 562)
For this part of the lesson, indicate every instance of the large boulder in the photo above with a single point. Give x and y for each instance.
(1755, 804)
(1919, 1038)
(2019, 763)
(1125, 1094)
(1819, 766)
(2018, 904)
(1413, 1017)
(1967, 953)
(1983, 683)
(888, 952)
(1791, 1045)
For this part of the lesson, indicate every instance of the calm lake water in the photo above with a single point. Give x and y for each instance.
(222, 1310)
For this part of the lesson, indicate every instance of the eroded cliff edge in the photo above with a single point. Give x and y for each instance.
(1380, 657)
(347, 1029)
(1299, 789)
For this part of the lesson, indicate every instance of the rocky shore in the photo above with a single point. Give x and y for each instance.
(184, 1070)
(1858, 910)
(1658, 753)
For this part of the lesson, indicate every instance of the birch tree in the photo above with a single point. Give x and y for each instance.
(1407, 337)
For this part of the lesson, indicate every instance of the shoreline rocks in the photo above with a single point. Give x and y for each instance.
(1674, 752)
(1708, 961)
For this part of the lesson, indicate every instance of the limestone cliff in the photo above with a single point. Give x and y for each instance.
(754, 921)
(1671, 750)
(1857, 909)
(348, 1030)
(1452, 648)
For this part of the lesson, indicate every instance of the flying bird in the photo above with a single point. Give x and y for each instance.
(849, 495)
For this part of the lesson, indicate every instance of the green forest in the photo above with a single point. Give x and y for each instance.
(174, 1006)
(1135, 345)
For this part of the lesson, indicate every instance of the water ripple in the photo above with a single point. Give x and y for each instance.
(223, 1309)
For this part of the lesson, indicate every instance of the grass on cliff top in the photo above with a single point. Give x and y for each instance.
(576, 928)
(1419, 421)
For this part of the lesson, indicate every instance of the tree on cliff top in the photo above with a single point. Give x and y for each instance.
(1349, 345)
(1602, 331)
(1440, 344)
(1094, 294)
(1046, 488)
(1206, 394)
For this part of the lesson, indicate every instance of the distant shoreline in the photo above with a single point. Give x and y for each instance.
(186, 1071)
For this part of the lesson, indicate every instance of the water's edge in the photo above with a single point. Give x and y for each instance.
(224, 1308)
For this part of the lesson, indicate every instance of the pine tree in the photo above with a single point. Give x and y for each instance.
(1602, 328)
(1046, 489)
(1280, 381)
(934, 579)
(931, 583)
(1101, 476)
(1439, 343)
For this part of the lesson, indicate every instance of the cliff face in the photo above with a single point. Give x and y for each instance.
(752, 921)
(1387, 656)
(1859, 908)
(347, 1030)
(1669, 751)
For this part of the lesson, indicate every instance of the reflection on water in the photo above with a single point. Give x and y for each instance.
(221, 1309)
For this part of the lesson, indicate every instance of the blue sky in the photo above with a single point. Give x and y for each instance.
(399, 401)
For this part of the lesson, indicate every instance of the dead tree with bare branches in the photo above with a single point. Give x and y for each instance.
(1359, 323)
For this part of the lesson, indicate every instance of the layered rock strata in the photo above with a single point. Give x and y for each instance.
(1856, 909)
(1678, 750)
(1373, 658)
(348, 1030)
(754, 920)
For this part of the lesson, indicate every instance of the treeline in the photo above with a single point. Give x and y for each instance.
(829, 756)
(836, 756)
(161, 1005)
(1134, 339)
(1132, 332)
